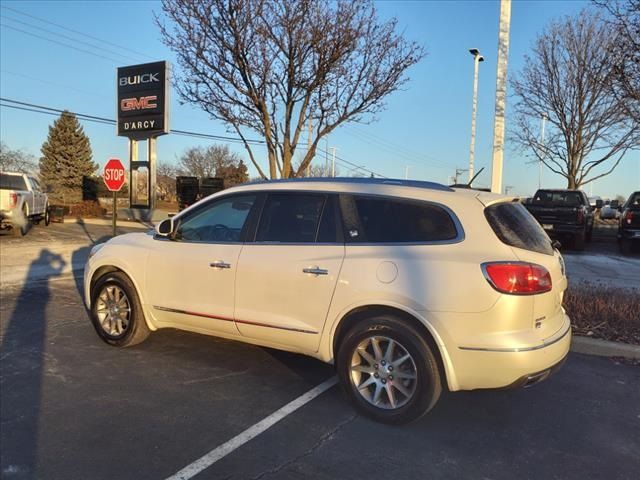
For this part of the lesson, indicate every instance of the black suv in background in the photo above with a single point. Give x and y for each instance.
(629, 226)
(564, 214)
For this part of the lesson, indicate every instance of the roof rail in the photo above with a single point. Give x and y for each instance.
(362, 181)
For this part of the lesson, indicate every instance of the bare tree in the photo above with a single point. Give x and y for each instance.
(624, 15)
(16, 160)
(214, 161)
(272, 66)
(569, 80)
(166, 181)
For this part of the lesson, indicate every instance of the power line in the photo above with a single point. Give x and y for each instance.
(59, 43)
(31, 107)
(60, 85)
(77, 32)
(407, 154)
(50, 32)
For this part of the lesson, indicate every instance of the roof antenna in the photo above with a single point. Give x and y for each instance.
(474, 177)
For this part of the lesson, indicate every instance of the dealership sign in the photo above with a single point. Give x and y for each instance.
(143, 100)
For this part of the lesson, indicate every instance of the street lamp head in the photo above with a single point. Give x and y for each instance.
(474, 51)
(480, 58)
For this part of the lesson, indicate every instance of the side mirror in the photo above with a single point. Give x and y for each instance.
(599, 203)
(556, 244)
(165, 228)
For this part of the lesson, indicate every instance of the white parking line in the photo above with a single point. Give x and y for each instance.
(226, 448)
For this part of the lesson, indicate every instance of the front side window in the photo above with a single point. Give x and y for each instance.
(290, 218)
(387, 220)
(218, 221)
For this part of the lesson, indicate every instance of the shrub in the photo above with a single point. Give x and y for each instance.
(86, 209)
(606, 313)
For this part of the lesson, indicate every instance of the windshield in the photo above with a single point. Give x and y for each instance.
(560, 199)
(12, 182)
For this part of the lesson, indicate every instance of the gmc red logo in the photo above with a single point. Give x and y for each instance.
(142, 103)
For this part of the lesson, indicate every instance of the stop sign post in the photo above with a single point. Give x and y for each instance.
(114, 176)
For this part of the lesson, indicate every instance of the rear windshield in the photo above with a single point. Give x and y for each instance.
(515, 226)
(558, 199)
(12, 182)
(634, 200)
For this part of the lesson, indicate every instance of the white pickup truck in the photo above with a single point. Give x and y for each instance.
(22, 201)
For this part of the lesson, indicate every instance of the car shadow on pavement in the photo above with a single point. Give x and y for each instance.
(80, 256)
(23, 354)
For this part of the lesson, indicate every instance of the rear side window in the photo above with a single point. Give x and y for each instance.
(290, 218)
(515, 226)
(12, 182)
(386, 220)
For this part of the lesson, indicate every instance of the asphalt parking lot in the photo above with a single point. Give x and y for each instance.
(74, 408)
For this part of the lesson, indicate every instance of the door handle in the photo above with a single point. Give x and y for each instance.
(219, 264)
(315, 270)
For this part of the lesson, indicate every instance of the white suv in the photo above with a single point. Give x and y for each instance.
(407, 287)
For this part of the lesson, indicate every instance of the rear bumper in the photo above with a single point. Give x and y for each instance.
(510, 366)
(6, 217)
(629, 234)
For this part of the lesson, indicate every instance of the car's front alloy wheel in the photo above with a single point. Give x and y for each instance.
(116, 312)
(113, 310)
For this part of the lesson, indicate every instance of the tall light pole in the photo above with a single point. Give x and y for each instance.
(543, 121)
(477, 58)
(333, 161)
(501, 94)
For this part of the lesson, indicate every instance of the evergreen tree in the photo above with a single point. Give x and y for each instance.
(66, 159)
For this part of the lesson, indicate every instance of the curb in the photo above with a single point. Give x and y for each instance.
(107, 222)
(604, 348)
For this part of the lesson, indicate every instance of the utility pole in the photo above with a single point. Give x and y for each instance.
(333, 161)
(406, 172)
(326, 154)
(459, 171)
(309, 143)
(544, 150)
(501, 93)
(477, 58)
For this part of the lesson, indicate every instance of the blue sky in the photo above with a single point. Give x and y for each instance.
(426, 127)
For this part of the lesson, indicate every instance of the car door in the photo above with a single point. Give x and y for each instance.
(34, 205)
(190, 279)
(287, 276)
(38, 197)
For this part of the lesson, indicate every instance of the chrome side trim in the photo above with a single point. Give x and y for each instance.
(544, 344)
(226, 319)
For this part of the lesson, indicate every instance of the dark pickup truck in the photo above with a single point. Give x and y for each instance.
(563, 214)
(629, 226)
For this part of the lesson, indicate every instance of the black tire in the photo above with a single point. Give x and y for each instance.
(47, 215)
(625, 246)
(22, 230)
(137, 330)
(428, 384)
(578, 241)
(589, 235)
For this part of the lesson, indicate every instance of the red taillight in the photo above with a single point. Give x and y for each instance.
(518, 278)
(628, 216)
(580, 215)
(13, 199)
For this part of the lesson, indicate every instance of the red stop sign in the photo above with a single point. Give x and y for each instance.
(114, 175)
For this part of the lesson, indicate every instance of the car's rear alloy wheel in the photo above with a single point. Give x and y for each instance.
(388, 368)
(116, 312)
(383, 372)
